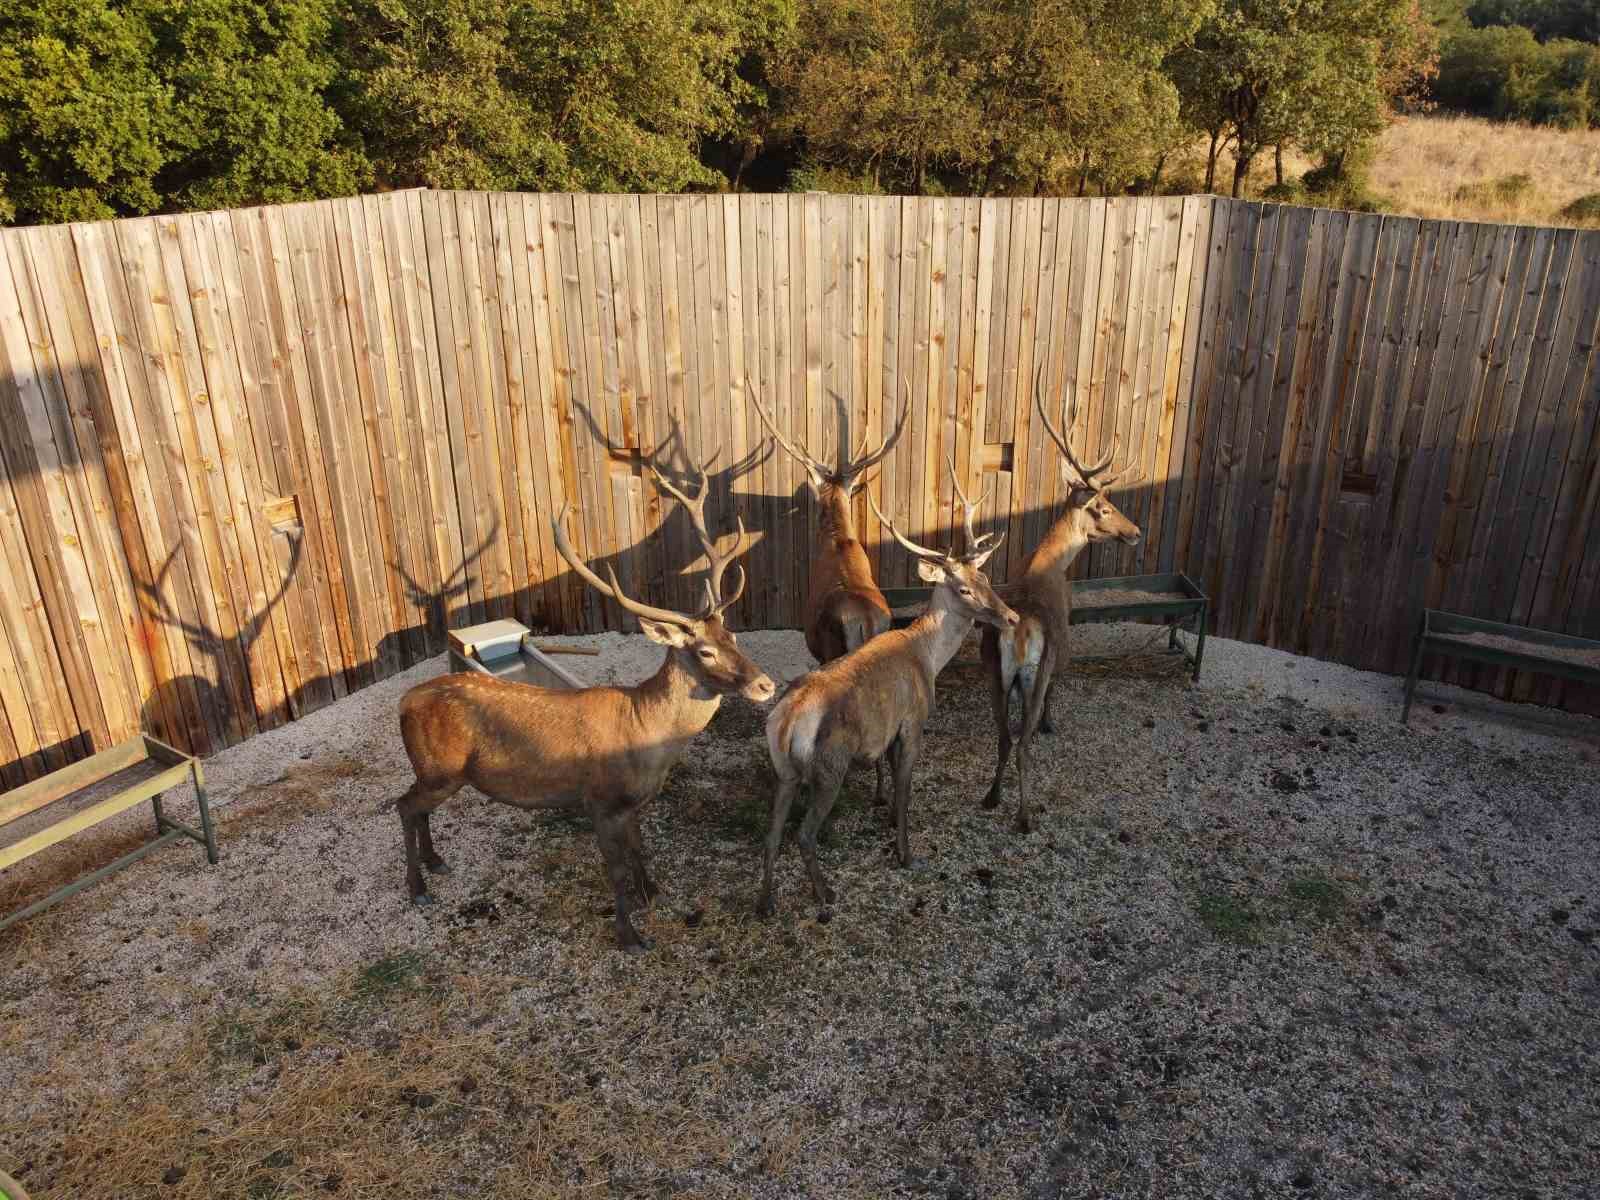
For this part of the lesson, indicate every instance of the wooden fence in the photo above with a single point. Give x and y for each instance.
(257, 459)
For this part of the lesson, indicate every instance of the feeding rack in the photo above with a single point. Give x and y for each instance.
(1172, 598)
(95, 790)
(1500, 645)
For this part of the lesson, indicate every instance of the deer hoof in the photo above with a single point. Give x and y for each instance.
(992, 798)
(438, 867)
(422, 900)
(637, 944)
(765, 908)
(1046, 727)
(1023, 825)
(914, 864)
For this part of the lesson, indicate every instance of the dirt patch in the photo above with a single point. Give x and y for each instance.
(1258, 945)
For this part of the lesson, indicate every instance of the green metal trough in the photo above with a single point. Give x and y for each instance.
(1172, 598)
(96, 789)
(1500, 645)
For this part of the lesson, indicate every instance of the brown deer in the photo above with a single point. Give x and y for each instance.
(844, 608)
(873, 701)
(605, 750)
(1024, 659)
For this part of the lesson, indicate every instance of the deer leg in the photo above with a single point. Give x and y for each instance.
(646, 887)
(1046, 725)
(1000, 702)
(905, 755)
(430, 856)
(825, 787)
(881, 796)
(1036, 691)
(782, 801)
(420, 800)
(612, 833)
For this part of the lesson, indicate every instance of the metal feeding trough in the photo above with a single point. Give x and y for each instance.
(505, 649)
(1171, 598)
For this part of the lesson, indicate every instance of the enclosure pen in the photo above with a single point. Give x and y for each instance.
(1340, 419)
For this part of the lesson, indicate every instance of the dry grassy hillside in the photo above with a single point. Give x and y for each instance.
(1424, 163)
(1466, 168)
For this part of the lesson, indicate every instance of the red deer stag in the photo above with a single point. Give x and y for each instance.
(1024, 659)
(873, 702)
(606, 750)
(844, 608)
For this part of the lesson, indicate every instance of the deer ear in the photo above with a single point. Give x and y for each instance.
(930, 571)
(667, 635)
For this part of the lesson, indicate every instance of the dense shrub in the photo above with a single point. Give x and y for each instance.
(1504, 72)
(1584, 208)
(1508, 189)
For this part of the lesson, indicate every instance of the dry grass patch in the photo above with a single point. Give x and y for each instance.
(1460, 167)
(1463, 169)
(381, 1087)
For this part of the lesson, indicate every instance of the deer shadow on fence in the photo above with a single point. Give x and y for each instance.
(196, 712)
(663, 565)
(441, 605)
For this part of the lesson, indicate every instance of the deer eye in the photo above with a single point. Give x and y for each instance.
(707, 653)
(966, 592)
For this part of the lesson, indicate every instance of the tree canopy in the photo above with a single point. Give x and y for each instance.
(115, 107)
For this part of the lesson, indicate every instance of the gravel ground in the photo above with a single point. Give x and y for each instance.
(1265, 941)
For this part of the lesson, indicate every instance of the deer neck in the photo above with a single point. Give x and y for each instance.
(837, 521)
(937, 634)
(1055, 554)
(673, 702)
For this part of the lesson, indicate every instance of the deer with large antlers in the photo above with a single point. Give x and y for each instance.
(1024, 659)
(605, 750)
(844, 608)
(872, 702)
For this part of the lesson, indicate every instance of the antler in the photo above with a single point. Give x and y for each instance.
(696, 508)
(975, 543)
(1086, 474)
(815, 469)
(858, 465)
(252, 628)
(613, 589)
(852, 468)
(912, 547)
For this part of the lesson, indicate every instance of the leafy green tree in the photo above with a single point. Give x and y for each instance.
(1324, 74)
(1503, 72)
(1577, 20)
(117, 107)
(84, 114)
(875, 88)
(250, 122)
(603, 95)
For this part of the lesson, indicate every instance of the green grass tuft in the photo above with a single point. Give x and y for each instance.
(1227, 917)
(390, 974)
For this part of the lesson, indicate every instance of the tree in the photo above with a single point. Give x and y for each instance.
(250, 123)
(1321, 73)
(112, 108)
(84, 113)
(872, 86)
(603, 95)
(1577, 20)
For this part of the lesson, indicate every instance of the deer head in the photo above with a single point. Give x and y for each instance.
(850, 475)
(703, 644)
(960, 577)
(1097, 519)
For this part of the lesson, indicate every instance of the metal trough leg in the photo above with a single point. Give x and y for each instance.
(1416, 669)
